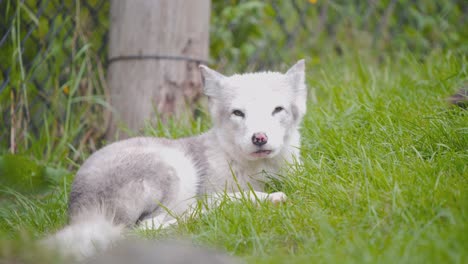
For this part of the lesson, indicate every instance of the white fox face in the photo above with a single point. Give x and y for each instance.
(255, 114)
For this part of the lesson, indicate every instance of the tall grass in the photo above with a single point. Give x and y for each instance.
(54, 88)
(383, 180)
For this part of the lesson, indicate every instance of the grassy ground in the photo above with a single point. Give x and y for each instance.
(384, 179)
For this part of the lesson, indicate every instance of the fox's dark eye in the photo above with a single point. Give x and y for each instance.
(238, 113)
(277, 110)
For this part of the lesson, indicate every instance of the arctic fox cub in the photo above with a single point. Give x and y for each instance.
(135, 182)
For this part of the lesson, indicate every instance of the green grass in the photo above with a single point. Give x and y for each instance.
(384, 176)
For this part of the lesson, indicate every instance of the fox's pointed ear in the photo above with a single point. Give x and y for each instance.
(299, 67)
(296, 75)
(211, 80)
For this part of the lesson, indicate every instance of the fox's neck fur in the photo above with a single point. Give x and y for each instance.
(243, 173)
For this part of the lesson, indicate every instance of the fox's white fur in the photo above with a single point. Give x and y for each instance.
(256, 119)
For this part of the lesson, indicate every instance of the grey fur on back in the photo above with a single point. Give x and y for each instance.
(112, 178)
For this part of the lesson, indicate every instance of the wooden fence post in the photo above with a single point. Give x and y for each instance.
(154, 49)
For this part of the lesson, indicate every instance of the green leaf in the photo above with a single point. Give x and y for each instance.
(27, 176)
(21, 173)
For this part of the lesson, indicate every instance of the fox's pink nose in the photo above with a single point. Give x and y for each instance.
(259, 139)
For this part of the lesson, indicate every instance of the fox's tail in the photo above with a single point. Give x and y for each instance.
(85, 236)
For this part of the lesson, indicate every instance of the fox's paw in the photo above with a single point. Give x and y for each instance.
(277, 197)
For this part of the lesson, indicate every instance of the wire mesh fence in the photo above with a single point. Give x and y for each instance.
(29, 30)
(52, 49)
(263, 34)
(42, 45)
